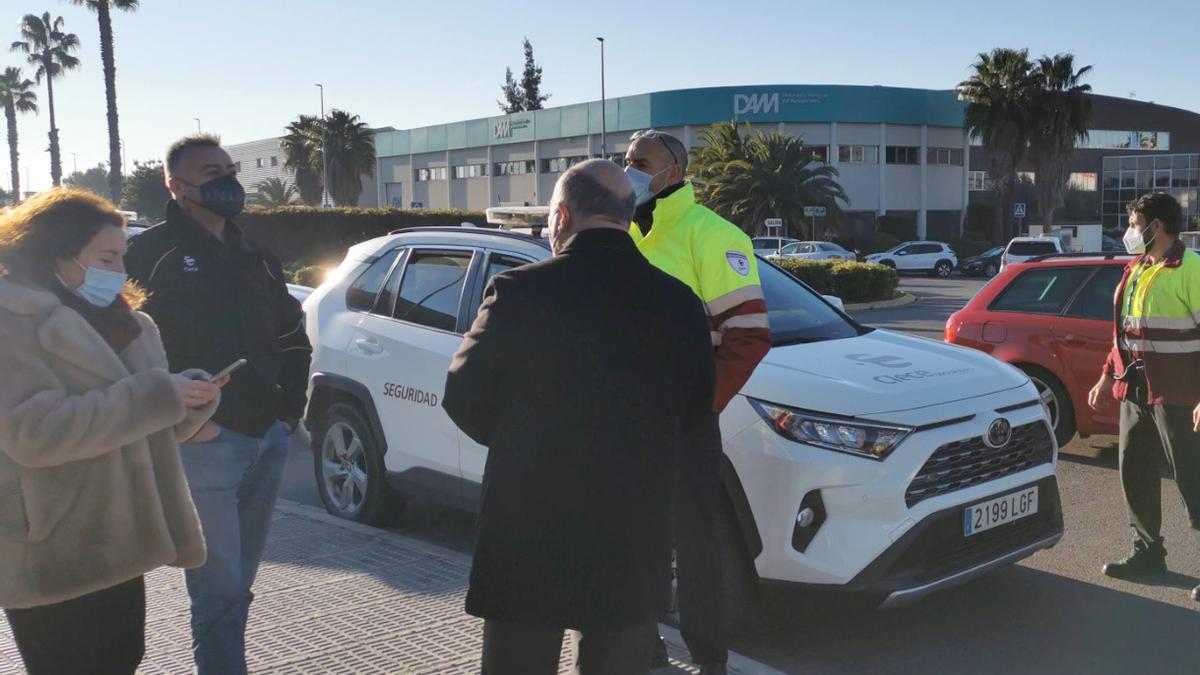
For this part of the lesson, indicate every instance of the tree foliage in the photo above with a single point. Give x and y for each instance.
(526, 94)
(16, 96)
(48, 47)
(1060, 116)
(103, 10)
(513, 101)
(146, 191)
(749, 177)
(94, 179)
(271, 193)
(1026, 111)
(301, 146)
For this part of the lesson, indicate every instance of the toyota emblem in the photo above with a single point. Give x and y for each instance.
(999, 433)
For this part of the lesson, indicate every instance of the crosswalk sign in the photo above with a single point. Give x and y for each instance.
(1019, 210)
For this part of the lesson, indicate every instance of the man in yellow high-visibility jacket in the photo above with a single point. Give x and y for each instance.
(716, 260)
(1152, 369)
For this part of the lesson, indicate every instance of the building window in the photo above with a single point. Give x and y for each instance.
(977, 181)
(274, 160)
(1107, 139)
(258, 163)
(820, 153)
(517, 168)
(561, 164)
(238, 166)
(470, 171)
(1026, 177)
(1084, 182)
(431, 173)
(902, 154)
(945, 156)
(858, 154)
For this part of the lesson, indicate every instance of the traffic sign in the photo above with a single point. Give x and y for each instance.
(773, 222)
(1019, 210)
(814, 212)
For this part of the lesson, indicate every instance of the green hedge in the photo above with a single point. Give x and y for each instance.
(301, 236)
(850, 281)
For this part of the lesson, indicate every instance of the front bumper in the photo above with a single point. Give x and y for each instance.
(935, 554)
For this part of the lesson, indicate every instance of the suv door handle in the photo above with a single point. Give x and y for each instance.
(1074, 340)
(368, 346)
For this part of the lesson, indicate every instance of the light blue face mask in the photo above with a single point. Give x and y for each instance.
(100, 287)
(640, 180)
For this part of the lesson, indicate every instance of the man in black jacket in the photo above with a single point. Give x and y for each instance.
(218, 298)
(579, 375)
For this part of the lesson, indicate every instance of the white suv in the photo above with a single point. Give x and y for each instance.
(855, 457)
(1021, 249)
(933, 257)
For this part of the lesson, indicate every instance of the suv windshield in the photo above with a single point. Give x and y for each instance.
(1032, 248)
(797, 314)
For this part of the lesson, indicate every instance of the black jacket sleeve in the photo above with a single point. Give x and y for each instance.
(476, 383)
(293, 344)
(698, 367)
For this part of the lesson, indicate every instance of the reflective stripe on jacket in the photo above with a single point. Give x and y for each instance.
(716, 260)
(1156, 318)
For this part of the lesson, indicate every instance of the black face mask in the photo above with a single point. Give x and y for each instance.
(223, 195)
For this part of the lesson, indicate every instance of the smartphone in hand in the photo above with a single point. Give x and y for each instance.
(228, 370)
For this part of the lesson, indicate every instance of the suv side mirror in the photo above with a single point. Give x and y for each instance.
(835, 301)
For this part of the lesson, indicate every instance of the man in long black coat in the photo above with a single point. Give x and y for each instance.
(579, 375)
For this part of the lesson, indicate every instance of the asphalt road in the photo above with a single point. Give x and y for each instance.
(1053, 613)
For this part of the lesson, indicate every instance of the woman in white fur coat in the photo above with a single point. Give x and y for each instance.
(92, 492)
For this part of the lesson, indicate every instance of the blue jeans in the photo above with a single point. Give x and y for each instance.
(234, 480)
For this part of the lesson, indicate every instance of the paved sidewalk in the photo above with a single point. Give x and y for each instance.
(337, 597)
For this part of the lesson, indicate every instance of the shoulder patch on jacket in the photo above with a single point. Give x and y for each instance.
(738, 261)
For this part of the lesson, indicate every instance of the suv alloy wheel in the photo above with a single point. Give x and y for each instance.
(349, 468)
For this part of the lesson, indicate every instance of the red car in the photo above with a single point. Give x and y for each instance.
(1052, 318)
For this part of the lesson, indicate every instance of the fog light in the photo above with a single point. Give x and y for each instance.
(805, 517)
(809, 518)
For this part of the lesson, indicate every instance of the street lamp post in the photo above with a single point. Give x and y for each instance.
(74, 163)
(603, 106)
(124, 162)
(197, 124)
(324, 157)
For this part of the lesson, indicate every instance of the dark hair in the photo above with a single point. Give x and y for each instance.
(1158, 206)
(585, 197)
(180, 147)
(51, 226)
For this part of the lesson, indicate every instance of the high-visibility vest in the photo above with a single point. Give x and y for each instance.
(1157, 319)
(708, 253)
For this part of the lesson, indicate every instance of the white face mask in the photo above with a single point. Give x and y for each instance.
(1135, 241)
(640, 180)
(100, 287)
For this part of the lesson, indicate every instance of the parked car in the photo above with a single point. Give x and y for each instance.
(933, 257)
(1021, 249)
(815, 250)
(1111, 244)
(1052, 319)
(769, 245)
(854, 457)
(985, 264)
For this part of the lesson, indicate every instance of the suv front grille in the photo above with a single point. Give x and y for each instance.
(962, 464)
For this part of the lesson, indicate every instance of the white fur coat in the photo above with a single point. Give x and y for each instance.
(92, 490)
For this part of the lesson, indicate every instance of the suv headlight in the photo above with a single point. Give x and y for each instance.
(864, 439)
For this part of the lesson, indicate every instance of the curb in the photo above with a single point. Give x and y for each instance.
(904, 299)
(740, 664)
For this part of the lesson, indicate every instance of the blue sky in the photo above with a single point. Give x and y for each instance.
(247, 67)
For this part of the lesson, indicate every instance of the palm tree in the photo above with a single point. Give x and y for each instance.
(302, 156)
(351, 149)
(1061, 113)
(103, 10)
(272, 192)
(17, 96)
(999, 96)
(48, 48)
(748, 179)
